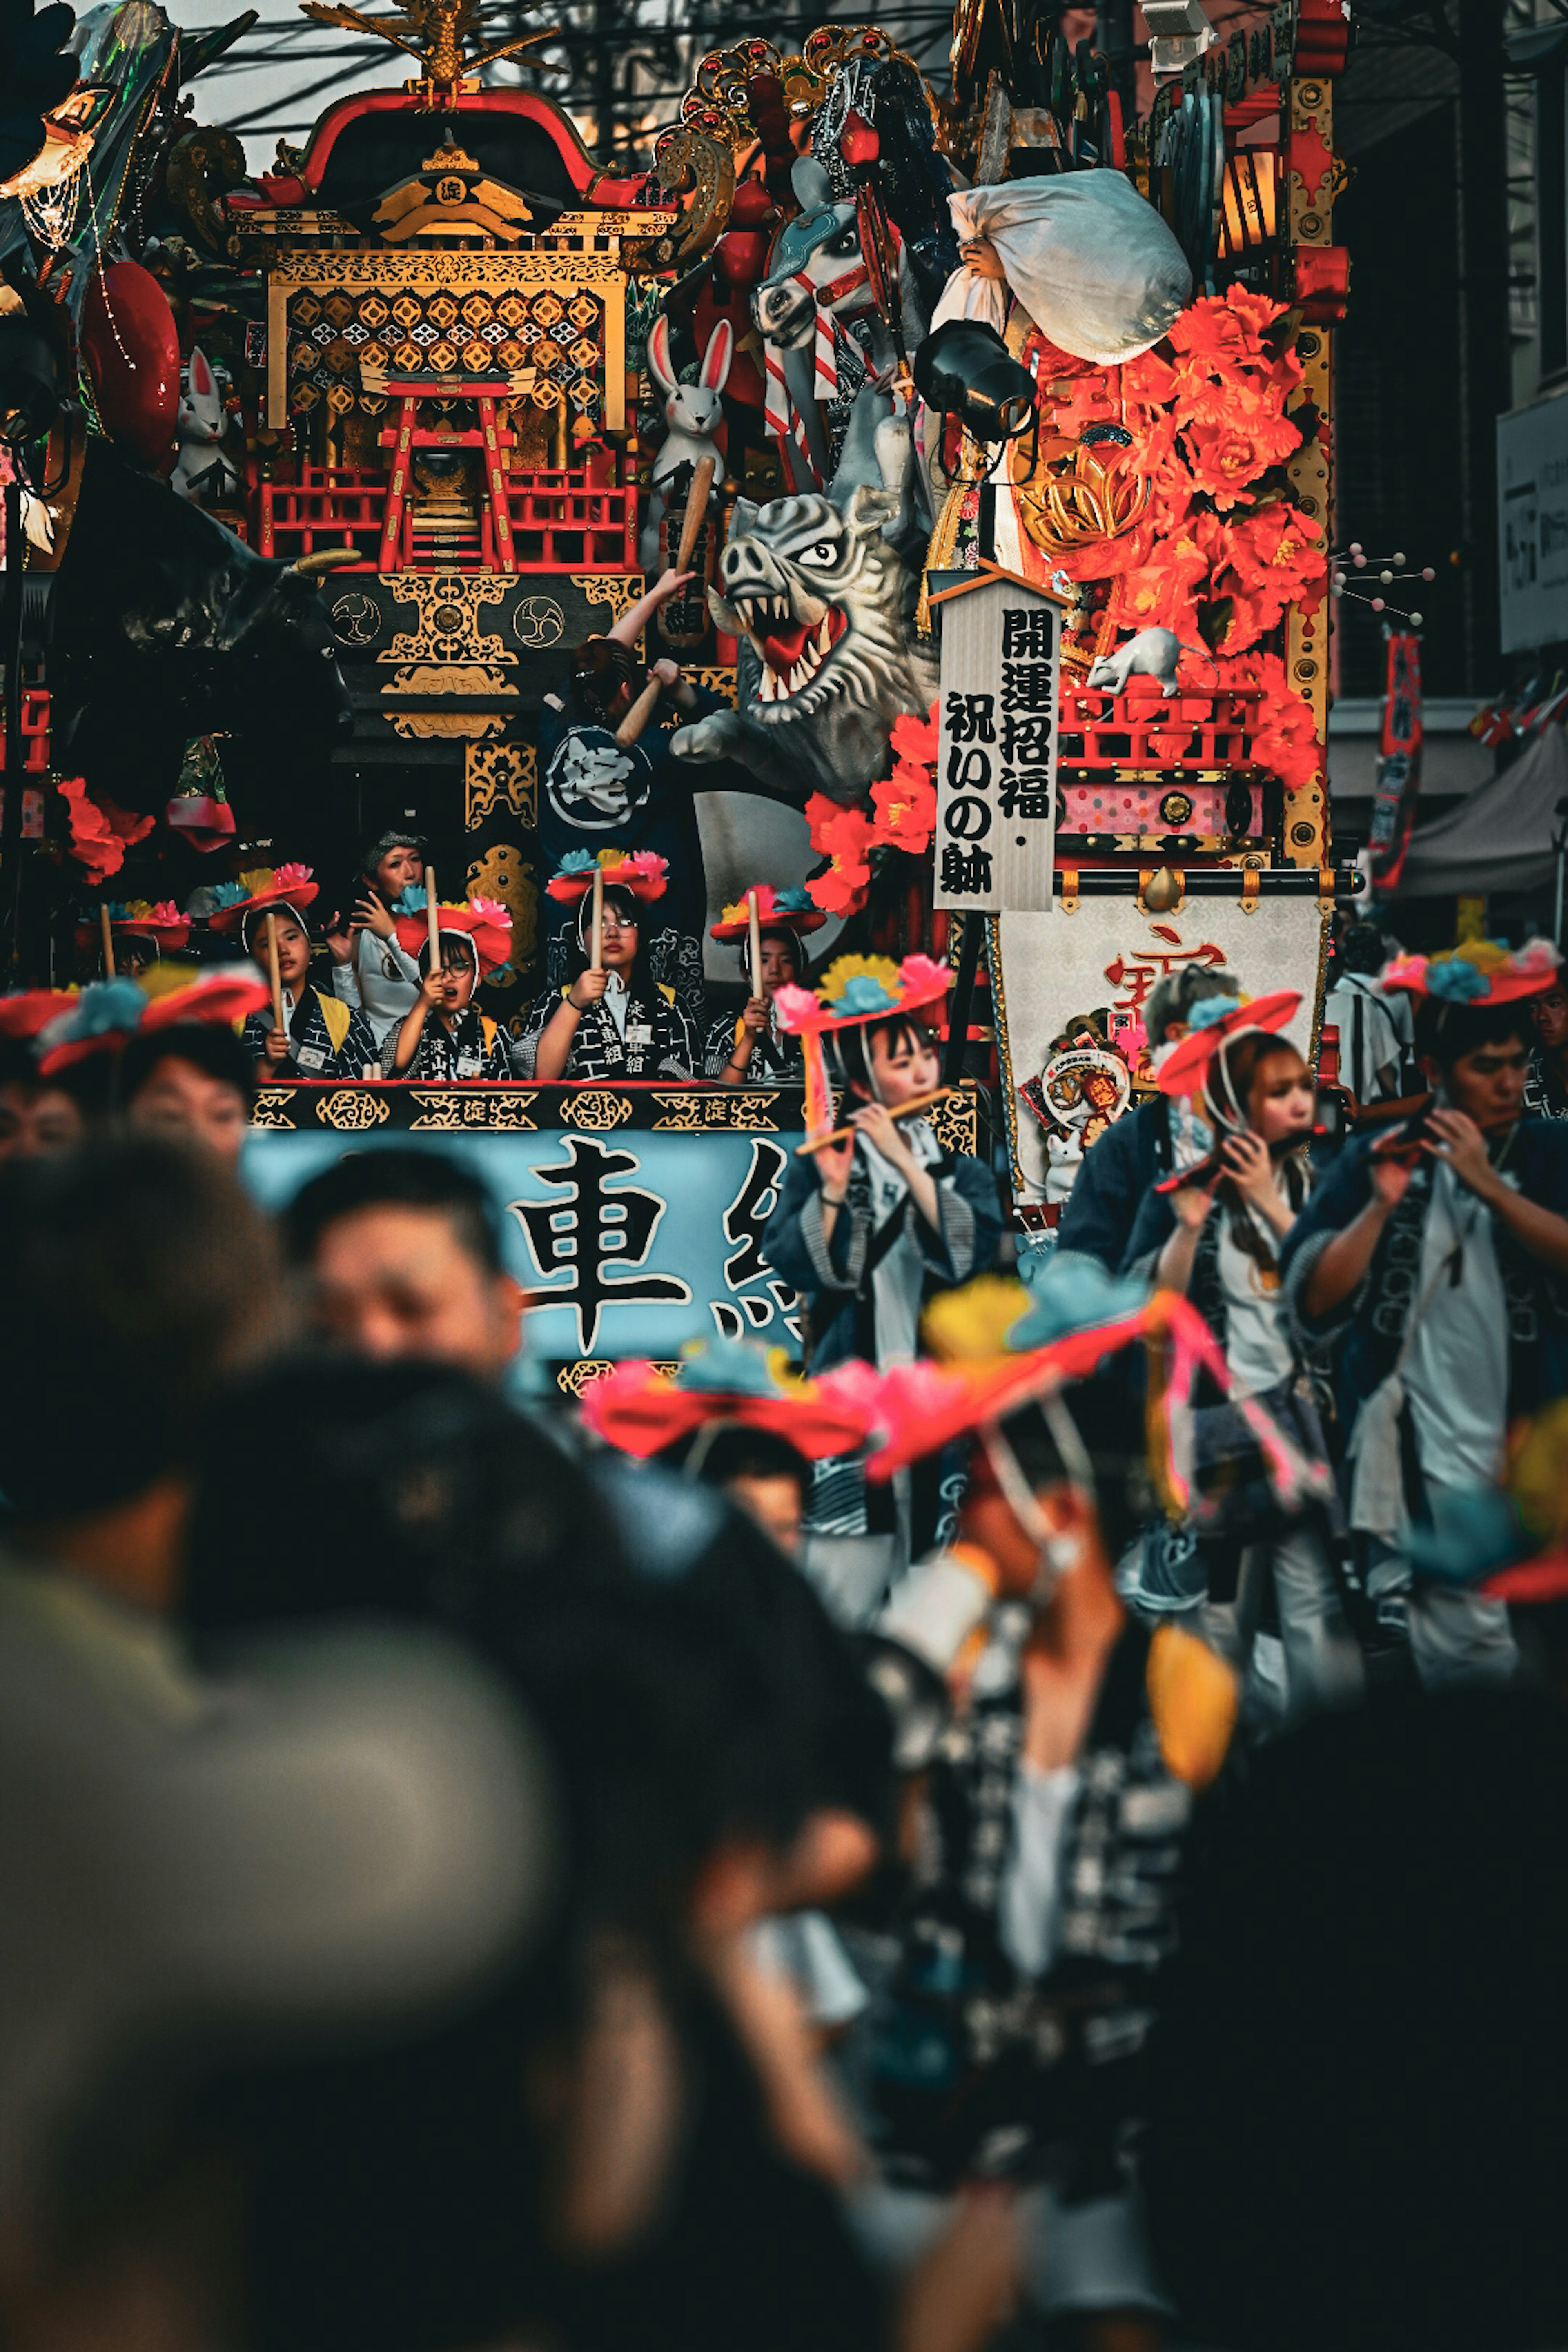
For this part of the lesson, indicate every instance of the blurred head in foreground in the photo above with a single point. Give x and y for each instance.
(341, 1860)
(1363, 2065)
(192, 1082)
(133, 1277)
(760, 1472)
(402, 1256)
(40, 1116)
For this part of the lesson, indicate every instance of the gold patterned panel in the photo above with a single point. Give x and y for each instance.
(351, 1109)
(572, 1379)
(619, 590)
(738, 1107)
(271, 1106)
(444, 1111)
(1307, 625)
(595, 1109)
(955, 1124)
(449, 627)
(504, 874)
(500, 776)
(450, 677)
(718, 680)
(460, 726)
(441, 308)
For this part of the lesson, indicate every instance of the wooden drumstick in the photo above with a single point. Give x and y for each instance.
(432, 927)
(903, 1111)
(108, 938)
(695, 507)
(755, 919)
(596, 958)
(638, 716)
(272, 971)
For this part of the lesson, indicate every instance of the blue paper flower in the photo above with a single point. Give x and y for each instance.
(102, 1006)
(226, 894)
(577, 861)
(727, 1367)
(1210, 1010)
(1070, 1292)
(864, 994)
(412, 899)
(1458, 982)
(793, 902)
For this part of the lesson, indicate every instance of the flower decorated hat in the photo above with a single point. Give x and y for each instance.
(27, 1009)
(234, 905)
(485, 921)
(1481, 972)
(97, 1021)
(163, 923)
(102, 1016)
(641, 871)
(777, 910)
(1217, 1021)
(641, 1411)
(853, 991)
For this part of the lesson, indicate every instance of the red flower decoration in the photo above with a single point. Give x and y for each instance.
(100, 832)
(844, 836)
(1226, 457)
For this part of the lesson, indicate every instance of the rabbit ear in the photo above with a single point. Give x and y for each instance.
(201, 374)
(717, 357)
(659, 368)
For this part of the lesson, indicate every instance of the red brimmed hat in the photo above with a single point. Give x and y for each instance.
(777, 910)
(1187, 1066)
(483, 921)
(226, 993)
(1479, 971)
(268, 885)
(856, 989)
(644, 873)
(917, 1409)
(32, 1009)
(163, 924)
(641, 1411)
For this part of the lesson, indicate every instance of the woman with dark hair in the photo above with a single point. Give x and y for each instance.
(1217, 1237)
(598, 793)
(370, 968)
(615, 1021)
(753, 1046)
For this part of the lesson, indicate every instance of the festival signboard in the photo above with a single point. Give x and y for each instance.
(634, 1216)
(996, 759)
(1108, 954)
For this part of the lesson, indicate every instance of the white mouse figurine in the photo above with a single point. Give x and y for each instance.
(1152, 653)
(693, 413)
(200, 469)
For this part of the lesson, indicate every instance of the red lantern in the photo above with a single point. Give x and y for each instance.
(132, 347)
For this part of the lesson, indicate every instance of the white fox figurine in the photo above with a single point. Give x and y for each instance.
(693, 414)
(201, 470)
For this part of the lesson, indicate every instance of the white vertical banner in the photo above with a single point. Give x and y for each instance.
(996, 759)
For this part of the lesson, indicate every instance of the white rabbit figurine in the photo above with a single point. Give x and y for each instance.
(693, 414)
(201, 471)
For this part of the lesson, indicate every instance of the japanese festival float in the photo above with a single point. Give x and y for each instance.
(991, 419)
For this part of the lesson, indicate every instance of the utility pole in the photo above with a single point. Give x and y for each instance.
(1486, 347)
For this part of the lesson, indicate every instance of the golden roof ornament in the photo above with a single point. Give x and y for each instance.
(437, 33)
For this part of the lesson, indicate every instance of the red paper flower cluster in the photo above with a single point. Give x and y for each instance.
(903, 810)
(1207, 427)
(102, 833)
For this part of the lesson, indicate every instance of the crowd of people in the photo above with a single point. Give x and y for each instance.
(1034, 1831)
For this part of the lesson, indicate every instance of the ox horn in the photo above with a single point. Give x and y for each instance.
(324, 558)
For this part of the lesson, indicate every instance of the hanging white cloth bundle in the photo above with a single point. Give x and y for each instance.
(1096, 267)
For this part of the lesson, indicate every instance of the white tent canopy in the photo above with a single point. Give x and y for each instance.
(1500, 838)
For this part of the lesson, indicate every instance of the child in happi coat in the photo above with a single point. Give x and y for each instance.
(615, 1020)
(1217, 1238)
(370, 965)
(445, 1036)
(321, 1037)
(752, 1048)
